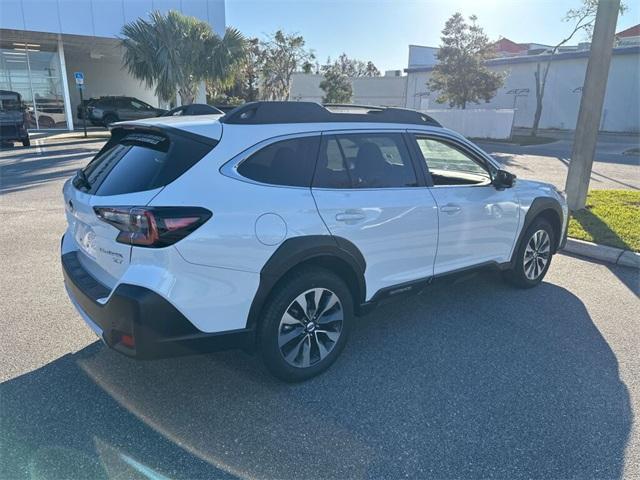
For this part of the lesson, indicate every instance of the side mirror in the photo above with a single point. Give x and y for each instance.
(503, 179)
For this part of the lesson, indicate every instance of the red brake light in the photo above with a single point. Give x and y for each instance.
(153, 226)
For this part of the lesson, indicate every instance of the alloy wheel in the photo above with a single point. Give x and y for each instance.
(536, 254)
(310, 327)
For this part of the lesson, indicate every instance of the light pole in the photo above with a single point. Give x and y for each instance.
(595, 84)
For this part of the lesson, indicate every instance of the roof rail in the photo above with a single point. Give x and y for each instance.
(261, 113)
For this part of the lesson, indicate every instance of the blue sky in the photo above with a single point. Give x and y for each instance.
(382, 30)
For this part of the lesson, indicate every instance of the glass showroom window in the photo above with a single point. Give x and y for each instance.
(33, 70)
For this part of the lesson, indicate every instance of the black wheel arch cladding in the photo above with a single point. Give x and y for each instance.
(296, 251)
(548, 208)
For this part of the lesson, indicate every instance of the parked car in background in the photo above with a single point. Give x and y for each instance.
(226, 108)
(49, 113)
(193, 109)
(13, 118)
(271, 227)
(81, 106)
(106, 110)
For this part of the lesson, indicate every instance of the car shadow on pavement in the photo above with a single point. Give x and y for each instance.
(471, 379)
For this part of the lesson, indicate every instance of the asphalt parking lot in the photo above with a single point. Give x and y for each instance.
(471, 379)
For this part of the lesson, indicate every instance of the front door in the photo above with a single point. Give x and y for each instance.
(366, 190)
(477, 222)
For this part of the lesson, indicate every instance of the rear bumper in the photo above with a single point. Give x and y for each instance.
(10, 132)
(158, 329)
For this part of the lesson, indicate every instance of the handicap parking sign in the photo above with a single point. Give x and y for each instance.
(79, 76)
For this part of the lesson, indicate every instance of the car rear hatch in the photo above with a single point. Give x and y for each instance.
(127, 173)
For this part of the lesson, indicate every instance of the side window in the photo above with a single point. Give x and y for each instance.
(289, 162)
(368, 160)
(449, 165)
(138, 105)
(332, 171)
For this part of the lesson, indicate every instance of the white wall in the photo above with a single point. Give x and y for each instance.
(476, 123)
(422, 56)
(103, 77)
(562, 95)
(386, 91)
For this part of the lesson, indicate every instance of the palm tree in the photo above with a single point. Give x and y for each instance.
(175, 52)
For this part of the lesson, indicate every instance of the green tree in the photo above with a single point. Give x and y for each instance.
(460, 76)
(243, 87)
(583, 19)
(336, 86)
(336, 83)
(281, 55)
(175, 52)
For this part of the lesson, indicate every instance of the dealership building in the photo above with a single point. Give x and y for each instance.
(43, 44)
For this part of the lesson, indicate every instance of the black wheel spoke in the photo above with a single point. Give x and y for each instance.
(310, 327)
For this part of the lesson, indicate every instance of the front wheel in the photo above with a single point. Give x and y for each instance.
(306, 324)
(26, 142)
(533, 257)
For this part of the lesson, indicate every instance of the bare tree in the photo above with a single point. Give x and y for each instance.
(281, 55)
(582, 19)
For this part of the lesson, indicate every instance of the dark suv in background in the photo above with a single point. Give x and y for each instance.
(106, 110)
(13, 119)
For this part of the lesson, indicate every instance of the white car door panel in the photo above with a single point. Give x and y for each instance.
(378, 206)
(395, 230)
(477, 222)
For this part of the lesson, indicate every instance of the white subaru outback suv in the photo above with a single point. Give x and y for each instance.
(269, 228)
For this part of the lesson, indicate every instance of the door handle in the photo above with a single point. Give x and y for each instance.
(450, 208)
(350, 216)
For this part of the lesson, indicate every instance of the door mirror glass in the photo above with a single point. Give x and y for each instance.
(503, 179)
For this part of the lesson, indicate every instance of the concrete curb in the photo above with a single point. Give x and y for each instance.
(615, 256)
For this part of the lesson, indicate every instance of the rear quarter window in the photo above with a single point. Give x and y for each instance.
(135, 161)
(287, 162)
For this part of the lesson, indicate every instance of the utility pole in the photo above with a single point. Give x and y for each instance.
(595, 84)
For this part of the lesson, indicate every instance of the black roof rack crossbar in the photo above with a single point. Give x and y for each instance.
(262, 113)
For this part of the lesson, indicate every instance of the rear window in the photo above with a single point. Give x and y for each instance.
(10, 101)
(140, 160)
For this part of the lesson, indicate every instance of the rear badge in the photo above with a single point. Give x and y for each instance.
(115, 256)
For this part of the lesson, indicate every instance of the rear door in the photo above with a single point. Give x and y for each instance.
(367, 191)
(130, 170)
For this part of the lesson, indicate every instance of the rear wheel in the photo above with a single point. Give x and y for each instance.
(305, 324)
(26, 142)
(533, 256)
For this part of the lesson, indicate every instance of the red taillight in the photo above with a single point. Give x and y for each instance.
(153, 226)
(128, 341)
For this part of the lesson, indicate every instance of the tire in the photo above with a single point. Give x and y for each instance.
(26, 142)
(46, 122)
(111, 118)
(295, 345)
(537, 243)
